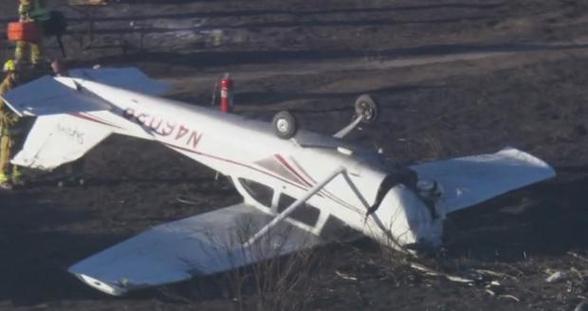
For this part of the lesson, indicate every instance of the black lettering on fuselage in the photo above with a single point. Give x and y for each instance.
(181, 134)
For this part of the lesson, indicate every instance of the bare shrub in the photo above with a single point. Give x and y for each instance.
(432, 146)
(283, 283)
(273, 281)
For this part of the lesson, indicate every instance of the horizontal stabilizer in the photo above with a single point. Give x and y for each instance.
(46, 96)
(130, 78)
(195, 246)
(471, 180)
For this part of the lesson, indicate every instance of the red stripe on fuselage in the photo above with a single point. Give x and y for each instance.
(301, 187)
(291, 170)
(327, 193)
(93, 119)
(236, 163)
(313, 182)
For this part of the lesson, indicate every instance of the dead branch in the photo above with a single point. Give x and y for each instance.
(431, 272)
(578, 273)
(345, 276)
(185, 201)
(496, 274)
(577, 256)
(511, 297)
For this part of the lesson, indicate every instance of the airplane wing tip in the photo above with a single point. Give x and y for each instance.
(531, 160)
(104, 287)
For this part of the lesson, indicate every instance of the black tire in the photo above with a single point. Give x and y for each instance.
(285, 125)
(367, 108)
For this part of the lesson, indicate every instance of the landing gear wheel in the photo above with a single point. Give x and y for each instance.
(285, 125)
(366, 108)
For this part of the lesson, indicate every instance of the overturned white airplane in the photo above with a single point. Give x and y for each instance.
(297, 186)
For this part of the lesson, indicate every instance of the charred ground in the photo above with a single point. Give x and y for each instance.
(453, 78)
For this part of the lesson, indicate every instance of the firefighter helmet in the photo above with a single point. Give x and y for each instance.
(9, 66)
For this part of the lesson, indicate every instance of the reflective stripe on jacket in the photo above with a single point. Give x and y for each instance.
(8, 119)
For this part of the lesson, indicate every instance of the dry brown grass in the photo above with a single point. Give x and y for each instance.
(280, 283)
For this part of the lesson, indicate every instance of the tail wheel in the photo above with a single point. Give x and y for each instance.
(366, 108)
(285, 125)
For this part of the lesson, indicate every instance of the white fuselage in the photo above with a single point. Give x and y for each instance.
(247, 150)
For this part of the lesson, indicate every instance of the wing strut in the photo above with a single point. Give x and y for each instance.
(350, 127)
(298, 203)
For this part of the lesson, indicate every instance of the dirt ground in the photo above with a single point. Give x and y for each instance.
(452, 77)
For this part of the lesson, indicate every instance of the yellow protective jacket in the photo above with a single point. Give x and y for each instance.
(8, 119)
(24, 9)
(33, 9)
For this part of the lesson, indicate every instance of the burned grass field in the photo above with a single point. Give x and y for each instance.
(452, 78)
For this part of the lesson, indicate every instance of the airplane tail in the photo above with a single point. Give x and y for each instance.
(58, 139)
(71, 120)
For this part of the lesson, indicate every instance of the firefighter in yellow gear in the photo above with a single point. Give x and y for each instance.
(31, 11)
(9, 174)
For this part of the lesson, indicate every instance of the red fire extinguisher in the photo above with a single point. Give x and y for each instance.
(226, 93)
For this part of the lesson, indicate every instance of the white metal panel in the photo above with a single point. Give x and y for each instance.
(129, 78)
(46, 96)
(471, 180)
(58, 139)
(194, 246)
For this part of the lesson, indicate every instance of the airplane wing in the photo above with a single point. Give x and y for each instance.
(196, 246)
(471, 180)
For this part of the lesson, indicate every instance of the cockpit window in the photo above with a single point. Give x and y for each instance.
(260, 192)
(306, 214)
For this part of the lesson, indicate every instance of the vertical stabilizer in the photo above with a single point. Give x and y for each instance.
(58, 139)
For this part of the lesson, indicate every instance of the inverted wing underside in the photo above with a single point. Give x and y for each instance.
(468, 181)
(195, 246)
